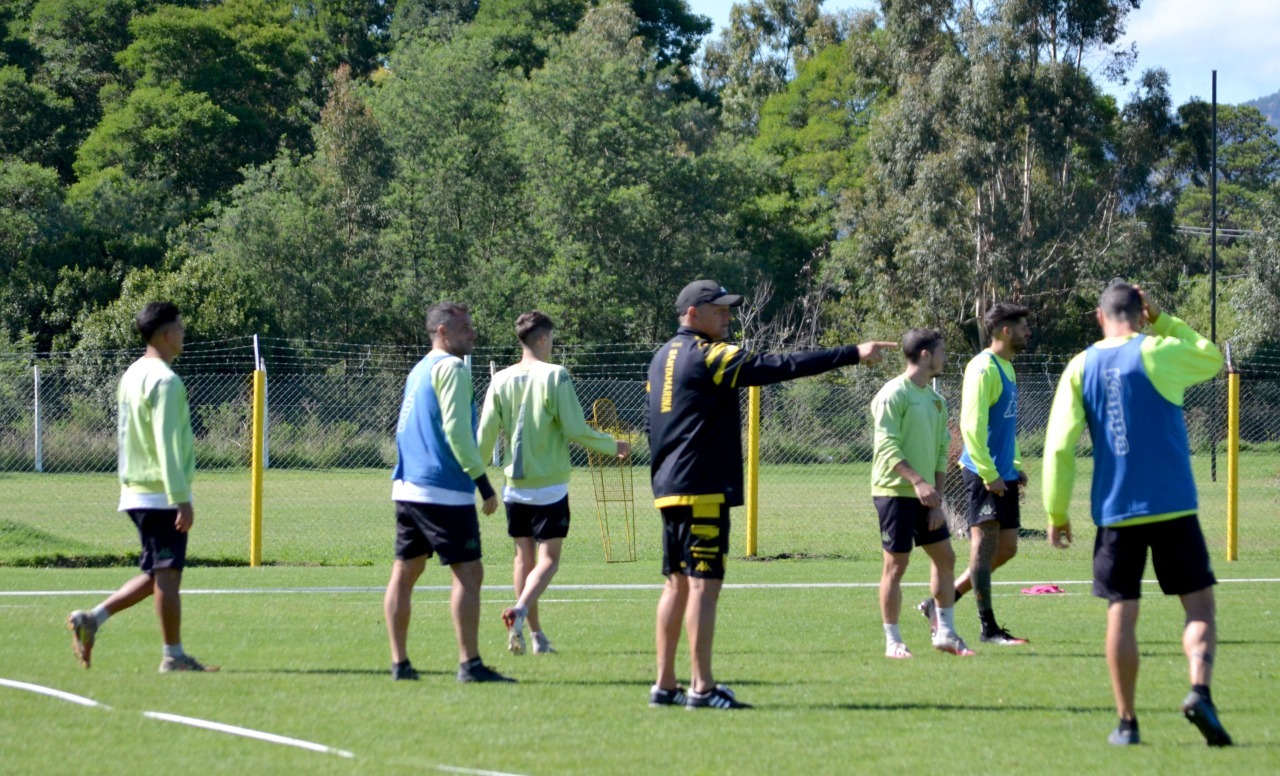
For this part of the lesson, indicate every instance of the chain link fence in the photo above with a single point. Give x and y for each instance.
(332, 410)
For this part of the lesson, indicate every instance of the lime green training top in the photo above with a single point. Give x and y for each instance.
(538, 408)
(982, 389)
(911, 426)
(156, 446)
(1175, 358)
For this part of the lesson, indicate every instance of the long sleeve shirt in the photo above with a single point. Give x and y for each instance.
(1174, 358)
(435, 436)
(983, 388)
(156, 445)
(538, 408)
(911, 426)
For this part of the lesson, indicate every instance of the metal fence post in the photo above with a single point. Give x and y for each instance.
(39, 437)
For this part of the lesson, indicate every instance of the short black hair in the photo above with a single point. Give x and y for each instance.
(154, 317)
(1001, 313)
(533, 324)
(442, 314)
(917, 340)
(1121, 302)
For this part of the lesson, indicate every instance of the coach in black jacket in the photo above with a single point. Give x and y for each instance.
(695, 440)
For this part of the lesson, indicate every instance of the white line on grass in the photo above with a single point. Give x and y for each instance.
(471, 771)
(52, 693)
(246, 732)
(506, 588)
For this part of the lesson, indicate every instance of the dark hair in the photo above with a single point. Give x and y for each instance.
(533, 324)
(1002, 313)
(443, 314)
(917, 340)
(154, 317)
(1121, 302)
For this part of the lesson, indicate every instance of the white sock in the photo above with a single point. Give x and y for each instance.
(947, 619)
(101, 614)
(173, 650)
(891, 634)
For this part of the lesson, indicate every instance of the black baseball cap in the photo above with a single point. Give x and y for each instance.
(705, 292)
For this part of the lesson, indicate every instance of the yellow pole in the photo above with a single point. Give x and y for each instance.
(753, 467)
(1233, 464)
(255, 468)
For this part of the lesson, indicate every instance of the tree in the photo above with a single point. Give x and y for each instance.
(33, 225)
(759, 53)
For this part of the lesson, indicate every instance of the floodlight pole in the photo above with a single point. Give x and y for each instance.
(1213, 269)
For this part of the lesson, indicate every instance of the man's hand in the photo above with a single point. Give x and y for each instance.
(624, 449)
(1149, 311)
(936, 518)
(1060, 535)
(996, 486)
(186, 516)
(1023, 479)
(927, 494)
(870, 353)
(490, 505)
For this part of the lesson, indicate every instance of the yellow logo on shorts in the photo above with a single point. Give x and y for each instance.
(702, 566)
(705, 531)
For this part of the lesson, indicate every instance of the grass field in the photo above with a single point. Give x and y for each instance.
(313, 665)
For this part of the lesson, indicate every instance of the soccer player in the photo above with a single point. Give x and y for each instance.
(157, 463)
(438, 470)
(534, 402)
(695, 442)
(991, 464)
(1128, 388)
(909, 465)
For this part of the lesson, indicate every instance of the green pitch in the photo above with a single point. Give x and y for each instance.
(313, 666)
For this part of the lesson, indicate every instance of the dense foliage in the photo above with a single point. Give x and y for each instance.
(328, 169)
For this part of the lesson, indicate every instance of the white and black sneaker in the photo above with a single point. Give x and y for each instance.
(660, 697)
(720, 697)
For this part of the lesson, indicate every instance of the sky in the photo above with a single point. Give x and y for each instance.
(1188, 38)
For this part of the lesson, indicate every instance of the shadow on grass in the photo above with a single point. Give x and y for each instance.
(962, 707)
(329, 671)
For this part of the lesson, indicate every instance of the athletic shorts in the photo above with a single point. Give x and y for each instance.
(1178, 553)
(452, 533)
(695, 540)
(904, 523)
(985, 505)
(541, 521)
(163, 545)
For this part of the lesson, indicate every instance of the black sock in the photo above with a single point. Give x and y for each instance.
(958, 594)
(1129, 724)
(474, 662)
(402, 664)
(1203, 691)
(988, 620)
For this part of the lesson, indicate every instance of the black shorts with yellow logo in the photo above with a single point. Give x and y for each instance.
(695, 540)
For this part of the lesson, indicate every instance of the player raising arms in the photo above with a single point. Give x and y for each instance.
(908, 467)
(695, 441)
(534, 402)
(991, 464)
(438, 471)
(1129, 388)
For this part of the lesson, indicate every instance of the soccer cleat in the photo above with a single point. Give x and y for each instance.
(929, 609)
(1122, 737)
(1201, 712)
(84, 628)
(542, 645)
(479, 672)
(184, 663)
(897, 650)
(953, 644)
(660, 697)
(720, 697)
(513, 618)
(403, 672)
(1002, 637)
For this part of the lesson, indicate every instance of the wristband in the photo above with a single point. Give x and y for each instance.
(486, 490)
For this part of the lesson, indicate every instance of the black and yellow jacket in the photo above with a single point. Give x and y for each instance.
(694, 424)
